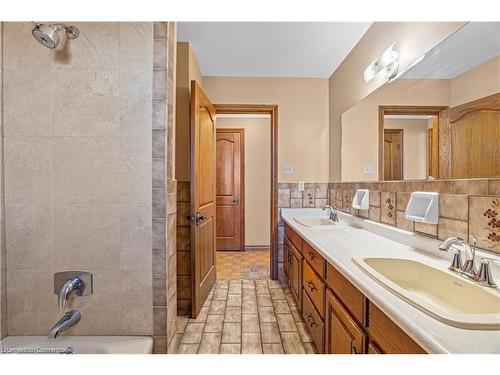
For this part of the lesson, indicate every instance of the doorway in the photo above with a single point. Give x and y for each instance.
(393, 154)
(243, 196)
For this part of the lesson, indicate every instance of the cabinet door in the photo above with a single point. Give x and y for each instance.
(373, 349)
(343, 335)
(286, 258)
(296, 275)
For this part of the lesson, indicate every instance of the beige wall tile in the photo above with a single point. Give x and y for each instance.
(86, 170)
(135, 170)
(30, 116)
(454, 206)
(27, 170)
(402, 222)
(87, 237)
(484, 214)
(135, 107)
(95, 113)
(429, 229)
(28, 232)
(374, 213)
(479, 187)
(452, 228)
(136, 46)
(494, 187)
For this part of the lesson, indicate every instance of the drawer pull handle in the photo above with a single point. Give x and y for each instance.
(311, 286)
(310, 320)
(354, 350)
(311, 255)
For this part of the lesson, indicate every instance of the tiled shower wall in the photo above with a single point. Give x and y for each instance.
(77, 138)
(3, 270)
(466, 207)
(164, 190)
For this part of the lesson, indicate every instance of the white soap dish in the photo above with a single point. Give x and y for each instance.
(423, 207)
(361, 200)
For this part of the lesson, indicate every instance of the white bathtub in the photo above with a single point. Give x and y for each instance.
(78, 344)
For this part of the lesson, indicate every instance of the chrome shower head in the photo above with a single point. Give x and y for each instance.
(48, 35)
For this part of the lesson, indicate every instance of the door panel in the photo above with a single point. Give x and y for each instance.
(230, 189)
(393, 155)
(203, 201)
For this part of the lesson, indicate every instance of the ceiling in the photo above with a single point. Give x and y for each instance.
(471, 45)
(271, 49)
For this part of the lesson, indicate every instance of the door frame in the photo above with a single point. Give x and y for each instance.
(242, 177)
(272, 110)
(401, 110)
(401, 135)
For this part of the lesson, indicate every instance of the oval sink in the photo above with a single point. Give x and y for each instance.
(314, 221)
(442, 294)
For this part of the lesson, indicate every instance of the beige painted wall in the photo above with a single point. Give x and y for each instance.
(360, 123)
(303, 118)
(346, 85)
(257, 176)
(78, 176)
(480, 81)
(414, 146)
(187, 70)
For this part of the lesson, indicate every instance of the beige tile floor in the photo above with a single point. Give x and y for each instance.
(246, 317)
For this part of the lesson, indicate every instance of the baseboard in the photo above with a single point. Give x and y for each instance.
(257, 248)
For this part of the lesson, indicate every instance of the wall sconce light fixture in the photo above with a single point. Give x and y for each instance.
(386, 63)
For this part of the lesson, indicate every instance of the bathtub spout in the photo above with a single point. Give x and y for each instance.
(68, 320)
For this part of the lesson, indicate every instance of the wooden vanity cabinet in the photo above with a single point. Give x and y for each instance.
(293, 263)
(342, 334)
(339, 317)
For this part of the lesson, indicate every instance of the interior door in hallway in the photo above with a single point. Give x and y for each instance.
(203, 219)
(230, 189)
(393, 154)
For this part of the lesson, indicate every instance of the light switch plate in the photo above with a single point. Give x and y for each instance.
(369, 169)
(287, 169)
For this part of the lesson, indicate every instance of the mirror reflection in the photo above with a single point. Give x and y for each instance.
(439, 119)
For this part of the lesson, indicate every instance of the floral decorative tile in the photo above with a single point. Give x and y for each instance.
(484, 221)
(388, 208)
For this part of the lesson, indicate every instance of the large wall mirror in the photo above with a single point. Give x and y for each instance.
(440, 119)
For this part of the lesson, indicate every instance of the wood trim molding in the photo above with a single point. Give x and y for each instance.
(272, 110)
(384, 110)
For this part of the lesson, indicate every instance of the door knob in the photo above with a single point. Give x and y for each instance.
(198, 217)
(236, 200)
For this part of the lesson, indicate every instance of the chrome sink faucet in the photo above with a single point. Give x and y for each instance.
(332, 214)
(68, 320)
(483, 276)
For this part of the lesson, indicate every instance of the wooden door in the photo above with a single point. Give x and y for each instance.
(343, 335)
(230, 189)
(203, 202)
(393, 154)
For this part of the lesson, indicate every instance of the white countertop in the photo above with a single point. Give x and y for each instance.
(356, 237)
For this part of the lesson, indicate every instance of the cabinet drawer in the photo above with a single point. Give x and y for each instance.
(314, 323)
(288, 231)
(314, 258)
(352, 299)
(315, 289)
(296, 240)
(388, 336)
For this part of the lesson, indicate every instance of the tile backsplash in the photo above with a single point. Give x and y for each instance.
(466, 207)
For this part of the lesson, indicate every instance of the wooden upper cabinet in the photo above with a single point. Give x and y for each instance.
(342, 333)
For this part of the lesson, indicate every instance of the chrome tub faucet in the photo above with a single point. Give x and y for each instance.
(68, 320)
